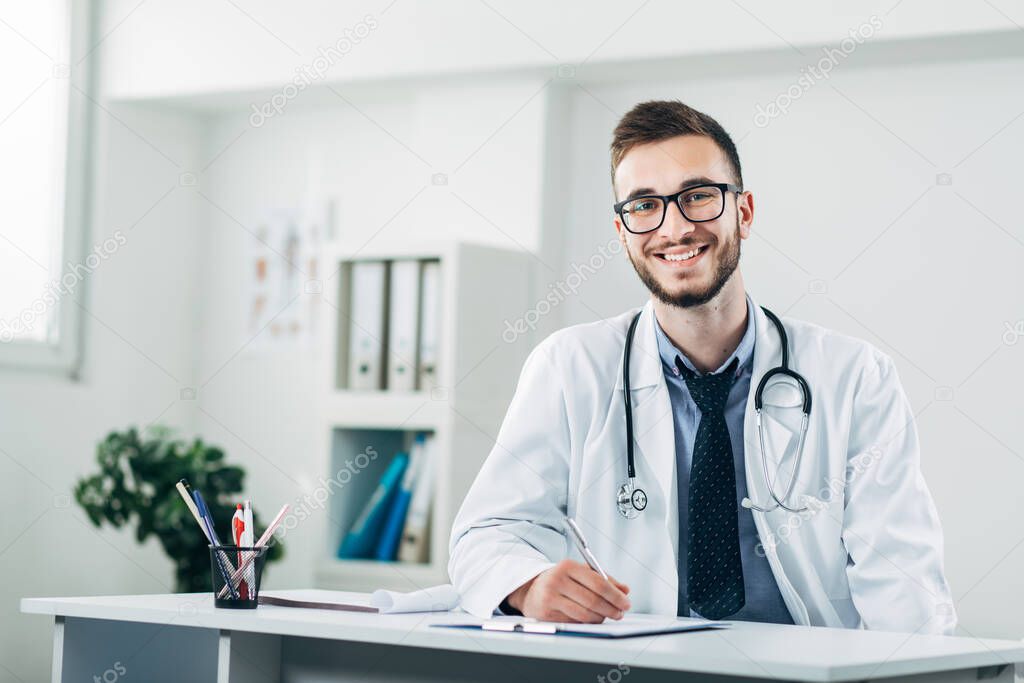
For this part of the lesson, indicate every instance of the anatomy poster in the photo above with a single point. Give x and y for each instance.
(285, 278)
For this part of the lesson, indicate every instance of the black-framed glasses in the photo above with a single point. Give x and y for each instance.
(698, 204)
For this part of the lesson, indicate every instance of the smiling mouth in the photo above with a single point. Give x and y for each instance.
(681, 256)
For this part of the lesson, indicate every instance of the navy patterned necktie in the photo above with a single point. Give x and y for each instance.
(714, 581)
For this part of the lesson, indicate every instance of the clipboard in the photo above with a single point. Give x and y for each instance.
(628, 627)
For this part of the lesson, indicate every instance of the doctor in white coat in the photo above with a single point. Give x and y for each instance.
(865, 549)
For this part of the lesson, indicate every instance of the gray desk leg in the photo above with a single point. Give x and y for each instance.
(248, 657)
(57, 668)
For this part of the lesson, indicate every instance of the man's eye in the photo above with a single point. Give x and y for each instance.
(644, 206)
(697, 197)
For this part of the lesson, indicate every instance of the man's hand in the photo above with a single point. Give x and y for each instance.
(571, 591)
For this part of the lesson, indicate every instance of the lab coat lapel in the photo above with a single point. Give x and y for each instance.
(653, 426)
(653, 430)
(779, 438)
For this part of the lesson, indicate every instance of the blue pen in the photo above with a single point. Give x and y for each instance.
(204, 514)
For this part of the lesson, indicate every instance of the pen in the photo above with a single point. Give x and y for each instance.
(186, 494)
(247, 539)
(581, 545)
(206, 525)
(264, 539)
(238, 534)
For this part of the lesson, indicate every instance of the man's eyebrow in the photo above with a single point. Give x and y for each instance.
(687, 182)
(640, 192)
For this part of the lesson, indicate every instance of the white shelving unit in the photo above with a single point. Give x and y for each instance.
(482, 287)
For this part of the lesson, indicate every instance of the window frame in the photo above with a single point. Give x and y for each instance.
(65, 354)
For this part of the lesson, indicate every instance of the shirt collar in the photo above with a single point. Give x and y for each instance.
(744, 350)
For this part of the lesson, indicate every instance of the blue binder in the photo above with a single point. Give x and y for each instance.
(391, 535)
(362, 538)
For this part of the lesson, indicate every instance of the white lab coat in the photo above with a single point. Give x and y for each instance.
(870, 556)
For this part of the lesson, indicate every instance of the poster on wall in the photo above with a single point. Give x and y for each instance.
(284, 277)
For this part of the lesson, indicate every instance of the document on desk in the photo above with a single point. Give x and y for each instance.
(433, 599)
(630, 626)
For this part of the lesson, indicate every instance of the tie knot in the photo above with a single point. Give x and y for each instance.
(709, 392)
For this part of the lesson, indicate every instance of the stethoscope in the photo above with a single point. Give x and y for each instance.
(631, 499)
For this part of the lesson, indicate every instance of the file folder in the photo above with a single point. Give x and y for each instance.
(367, 333)
(362, 538)
(430, 324)
(416, 533)
(403, 325)
(391, 535)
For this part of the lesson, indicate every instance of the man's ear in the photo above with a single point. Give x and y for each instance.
(620, 231)
(745, 213)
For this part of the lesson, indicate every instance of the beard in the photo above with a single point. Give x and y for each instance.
(728, 258)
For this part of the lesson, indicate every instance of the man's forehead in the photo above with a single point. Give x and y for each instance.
(670, 161)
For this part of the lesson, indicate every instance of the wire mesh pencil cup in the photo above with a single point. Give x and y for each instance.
(236, 575)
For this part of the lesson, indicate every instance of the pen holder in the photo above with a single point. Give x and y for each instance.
(236, 575)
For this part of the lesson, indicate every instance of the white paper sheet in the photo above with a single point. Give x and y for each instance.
(434, 599)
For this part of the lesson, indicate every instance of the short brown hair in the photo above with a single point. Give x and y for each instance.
(663, 119)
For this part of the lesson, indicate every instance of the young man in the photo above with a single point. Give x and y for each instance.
(808, 509)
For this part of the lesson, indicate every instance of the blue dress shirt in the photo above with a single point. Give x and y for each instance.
(763, 599)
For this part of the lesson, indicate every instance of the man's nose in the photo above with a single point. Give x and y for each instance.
(675, 226)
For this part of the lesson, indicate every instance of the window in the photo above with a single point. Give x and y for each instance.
(44, 67)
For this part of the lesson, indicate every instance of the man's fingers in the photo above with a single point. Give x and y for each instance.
(618, 584)
(575, 612)
(589, 600)
(596, 583)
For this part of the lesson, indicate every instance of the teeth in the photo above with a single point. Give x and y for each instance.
(682, 257)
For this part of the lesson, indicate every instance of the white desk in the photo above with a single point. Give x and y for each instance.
(184, 638)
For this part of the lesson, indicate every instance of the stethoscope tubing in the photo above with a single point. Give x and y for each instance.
(781, 369)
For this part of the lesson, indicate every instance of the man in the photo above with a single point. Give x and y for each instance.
(854, 542)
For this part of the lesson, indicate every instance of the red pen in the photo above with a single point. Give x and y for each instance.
(238, 531)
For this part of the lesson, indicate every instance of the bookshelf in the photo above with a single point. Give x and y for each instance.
(481, 287)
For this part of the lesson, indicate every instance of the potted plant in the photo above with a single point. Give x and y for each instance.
(136, 482)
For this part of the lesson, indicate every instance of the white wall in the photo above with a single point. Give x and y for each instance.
(139, 352)
(263, 405)
(846, 199)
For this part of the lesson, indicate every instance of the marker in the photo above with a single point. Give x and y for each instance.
(238, 532)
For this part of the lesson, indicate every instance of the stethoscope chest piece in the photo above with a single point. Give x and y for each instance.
(631, 500)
